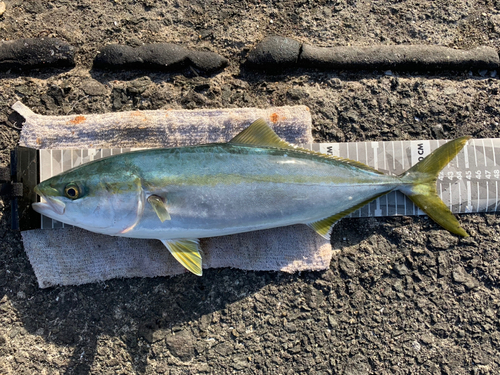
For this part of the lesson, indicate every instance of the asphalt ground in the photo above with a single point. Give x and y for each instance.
(402, 296)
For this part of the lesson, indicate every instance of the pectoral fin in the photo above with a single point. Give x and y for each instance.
(159, 206)
(187, 252)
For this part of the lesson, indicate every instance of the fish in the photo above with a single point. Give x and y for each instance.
(255, 181)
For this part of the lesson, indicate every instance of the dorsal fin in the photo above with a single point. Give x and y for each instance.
(260, 134)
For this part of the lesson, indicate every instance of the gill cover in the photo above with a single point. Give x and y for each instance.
(108, 203)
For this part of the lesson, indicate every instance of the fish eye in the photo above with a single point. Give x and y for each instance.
(72, 191)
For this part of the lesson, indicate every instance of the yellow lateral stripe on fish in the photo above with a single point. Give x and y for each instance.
(255, 181)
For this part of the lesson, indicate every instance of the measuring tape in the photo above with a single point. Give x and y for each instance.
(469, 183)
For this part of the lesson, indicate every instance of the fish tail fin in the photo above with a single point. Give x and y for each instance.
(420, 185)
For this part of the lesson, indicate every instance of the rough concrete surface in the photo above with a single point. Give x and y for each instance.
(402, 296)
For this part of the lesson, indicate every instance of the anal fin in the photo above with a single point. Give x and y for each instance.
(324, 226)
(187, 253)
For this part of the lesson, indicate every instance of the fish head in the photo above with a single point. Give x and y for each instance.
(102, 200)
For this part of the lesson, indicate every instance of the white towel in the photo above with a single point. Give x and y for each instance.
(73, 256)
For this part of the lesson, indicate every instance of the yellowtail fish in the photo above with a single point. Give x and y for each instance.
(255, 181)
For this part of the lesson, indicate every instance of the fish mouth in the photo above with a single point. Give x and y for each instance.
(51, 204)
